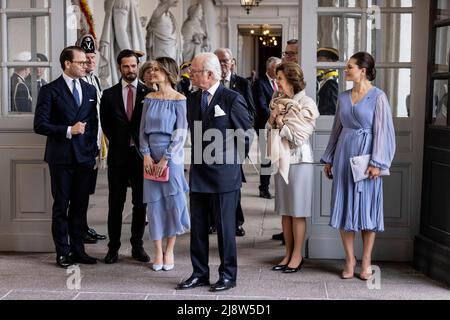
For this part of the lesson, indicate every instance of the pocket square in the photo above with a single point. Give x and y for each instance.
(218, 112)
(91, 100)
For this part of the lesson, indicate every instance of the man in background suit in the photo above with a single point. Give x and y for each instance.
(87, 43)
(40, 72)
(21, 100)
(214, 183)
(263, 90)
(66, 113)
(242, 86)
(120, 113)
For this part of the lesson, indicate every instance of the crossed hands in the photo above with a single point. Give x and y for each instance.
(152, 168)
(277, 115)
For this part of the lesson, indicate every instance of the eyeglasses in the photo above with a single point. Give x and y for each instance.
(192, 71)
(82, 63)
(225, 61)
(290, 53)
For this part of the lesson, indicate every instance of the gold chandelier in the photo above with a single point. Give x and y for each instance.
(265, 38)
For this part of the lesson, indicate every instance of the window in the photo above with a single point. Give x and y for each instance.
(380, 27)
(439, 78)
(26, 49)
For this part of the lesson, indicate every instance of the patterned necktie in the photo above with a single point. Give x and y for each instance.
(130, 102)
(274, 85)
(204, 101)
(75, 93)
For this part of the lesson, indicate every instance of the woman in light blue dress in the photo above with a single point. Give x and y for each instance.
(362, 125)
(162, 135)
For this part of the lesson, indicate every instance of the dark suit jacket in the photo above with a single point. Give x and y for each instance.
(56, 110)
(115, 124)
(20, 94)
(262, 93)
(217, 177)
(242, 86)
(327, 97)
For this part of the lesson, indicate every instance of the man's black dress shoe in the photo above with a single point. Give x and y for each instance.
(83, 257)
(278, 236)
(64, 261)
(279, 267)
(93, 234)
(111, 257)
(265, 194)
(88, 239)
(292, 270)
(240, 232)
(222, 285)
(140, 255)
(193, 282)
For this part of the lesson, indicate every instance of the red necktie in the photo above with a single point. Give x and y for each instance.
(274, 85)
(130, 102)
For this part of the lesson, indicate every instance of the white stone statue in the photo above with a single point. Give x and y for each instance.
(163, 37)
(210, 20)
(121, 30)
(195, 37)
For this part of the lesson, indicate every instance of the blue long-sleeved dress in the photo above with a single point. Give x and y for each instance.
(163, 133)
(364, 128)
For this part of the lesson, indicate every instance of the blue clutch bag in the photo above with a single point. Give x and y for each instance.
(359, 165)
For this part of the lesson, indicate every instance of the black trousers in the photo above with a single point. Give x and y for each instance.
(265, 173)
(119, 177)
(223, 205)
(70, 204)
(92, 185)
(239, 214)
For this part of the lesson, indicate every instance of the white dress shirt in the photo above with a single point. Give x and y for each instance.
(69, 82)
(125, 92)
(212, 91)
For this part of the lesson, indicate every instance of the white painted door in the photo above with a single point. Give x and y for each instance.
(28, 27)
(395, 33)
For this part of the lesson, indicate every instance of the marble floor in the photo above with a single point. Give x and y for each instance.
(26, 276)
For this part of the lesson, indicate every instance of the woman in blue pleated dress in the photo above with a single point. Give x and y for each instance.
(363, 125)
(162, 135)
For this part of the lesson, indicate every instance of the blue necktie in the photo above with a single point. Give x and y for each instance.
(75, 93)
(204, 102)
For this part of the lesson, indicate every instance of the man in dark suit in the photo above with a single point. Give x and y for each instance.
(327, 82)
(21, 100)
(215, 176)
(66, 113)
(263, 90)
(40, 72)
(242, 86)
(120, 114)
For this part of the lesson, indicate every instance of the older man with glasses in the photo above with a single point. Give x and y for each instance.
(214, 185)
(290, 54)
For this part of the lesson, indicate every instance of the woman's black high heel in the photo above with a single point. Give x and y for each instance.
(279, 267)
(292, 270)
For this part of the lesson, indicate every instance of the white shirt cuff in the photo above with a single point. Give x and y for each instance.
(69, 133)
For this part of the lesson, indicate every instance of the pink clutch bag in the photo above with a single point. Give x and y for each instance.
(163, 178)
